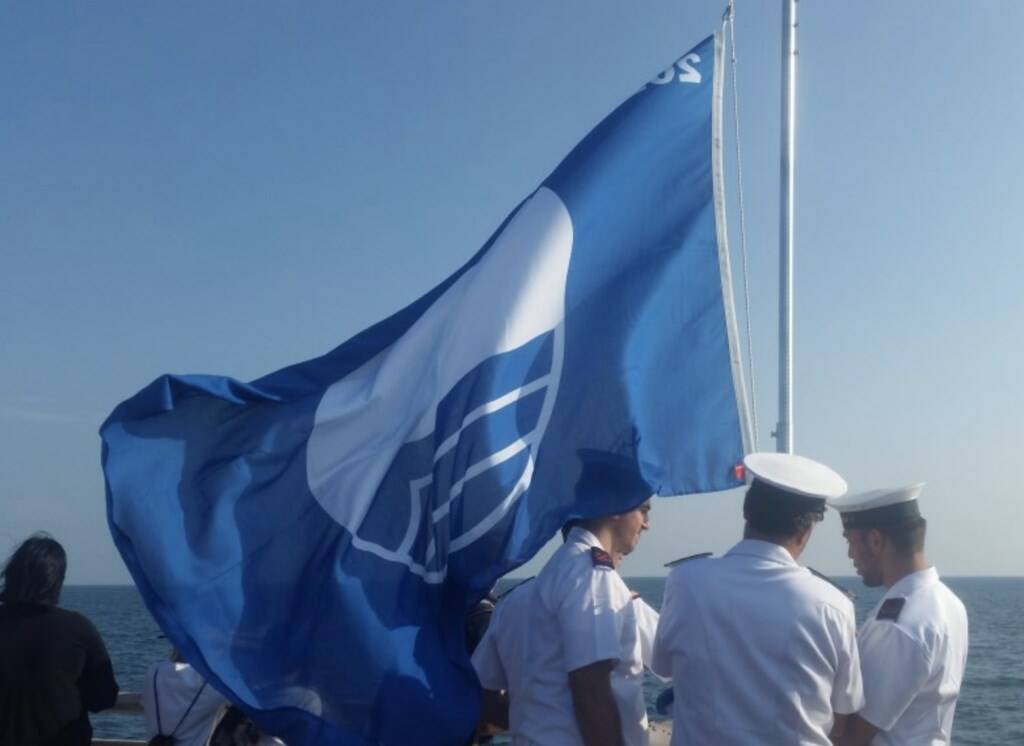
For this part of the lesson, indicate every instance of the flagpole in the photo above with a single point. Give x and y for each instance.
(784, 428)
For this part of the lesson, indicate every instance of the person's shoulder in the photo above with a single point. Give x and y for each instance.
(598, 575)
(81, 628)
(600, 559)
(592, 573)
(695, 574)
(688, 560)
(575, 560)
(823, 589)
(931, 605)
(560, 575)
(73, 619)
(832, 587)
(558, 565)
(692, 568)
(515, 596)
(516, 607)
(951, 600)
(935, 615)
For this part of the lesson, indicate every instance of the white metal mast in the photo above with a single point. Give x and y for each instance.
(784, 428)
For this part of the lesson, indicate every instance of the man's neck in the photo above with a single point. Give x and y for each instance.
(795, 548)
(898, 568)
(604, 536)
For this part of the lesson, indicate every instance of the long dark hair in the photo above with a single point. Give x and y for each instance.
(34, 573)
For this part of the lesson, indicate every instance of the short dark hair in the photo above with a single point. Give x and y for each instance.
(34, 573)
(906, 536)
(778, 519)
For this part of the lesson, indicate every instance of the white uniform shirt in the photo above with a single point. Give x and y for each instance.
(177, 684)
(913, 657)
(577, 613)
(759, 649)
(500, 657)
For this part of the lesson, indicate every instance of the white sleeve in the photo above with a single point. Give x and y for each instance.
(895, 668)
(590, 621)
(661, 653)
(847, 687)
(487, 662)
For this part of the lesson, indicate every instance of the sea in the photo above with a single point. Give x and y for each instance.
(990, 710)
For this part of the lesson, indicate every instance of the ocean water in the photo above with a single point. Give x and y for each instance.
(990, 710)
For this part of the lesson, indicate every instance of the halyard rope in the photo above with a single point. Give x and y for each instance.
(730, 14)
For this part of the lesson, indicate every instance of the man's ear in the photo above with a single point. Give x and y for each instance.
(875, 540)
(805, 538)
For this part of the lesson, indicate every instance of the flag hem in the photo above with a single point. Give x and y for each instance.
(721, 229)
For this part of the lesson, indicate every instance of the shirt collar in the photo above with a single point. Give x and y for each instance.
(578, 535)
(764, 550)
(912, 582)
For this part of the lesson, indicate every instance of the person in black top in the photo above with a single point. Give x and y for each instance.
(54, 668)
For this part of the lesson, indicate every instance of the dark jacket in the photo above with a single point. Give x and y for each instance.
(53, 669)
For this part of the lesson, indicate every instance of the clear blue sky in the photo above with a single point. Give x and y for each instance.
(233, 187)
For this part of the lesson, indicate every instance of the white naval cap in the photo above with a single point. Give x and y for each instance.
(797, 475)
(784, 483)
(879, 507)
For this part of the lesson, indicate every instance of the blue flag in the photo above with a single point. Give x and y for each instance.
(312, 540)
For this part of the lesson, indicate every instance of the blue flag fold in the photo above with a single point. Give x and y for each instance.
(312, 540)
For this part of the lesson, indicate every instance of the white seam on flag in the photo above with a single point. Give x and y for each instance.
(430, 576)
(492, 406)
(498, 457)
(460, 542)
(414, 513)
(538, 433)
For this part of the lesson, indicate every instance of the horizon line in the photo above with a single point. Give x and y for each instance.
(631, 577)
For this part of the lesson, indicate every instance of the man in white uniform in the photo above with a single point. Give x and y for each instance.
(568, 646)
(501, 659)
(760, 650)
(913, 645)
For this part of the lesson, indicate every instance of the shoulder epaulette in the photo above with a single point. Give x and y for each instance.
(601, 558)
(845, 591)
(890, 609)
(681, 560)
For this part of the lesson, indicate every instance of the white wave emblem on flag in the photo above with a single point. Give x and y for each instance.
(509, 302)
